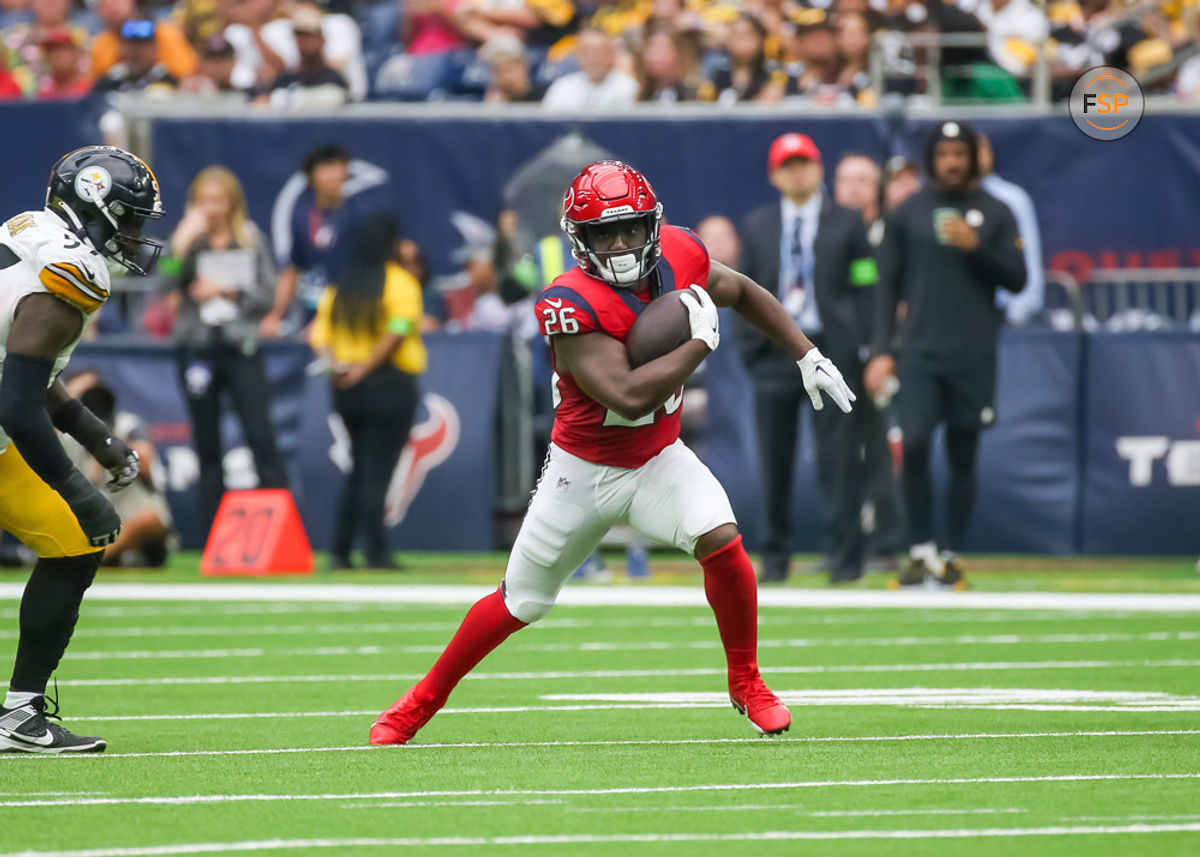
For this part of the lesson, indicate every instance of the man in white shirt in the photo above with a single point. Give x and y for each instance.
(265, 47)
(1014, 28)
(598, 85)
(1020, 307)
(813, 255)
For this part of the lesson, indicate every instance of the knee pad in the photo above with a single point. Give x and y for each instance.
(526, 606)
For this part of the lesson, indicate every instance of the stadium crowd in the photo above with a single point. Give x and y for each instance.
(584, 54)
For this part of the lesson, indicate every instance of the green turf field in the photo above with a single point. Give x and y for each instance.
(604, 731)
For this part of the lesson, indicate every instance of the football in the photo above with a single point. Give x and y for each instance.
(661, 328)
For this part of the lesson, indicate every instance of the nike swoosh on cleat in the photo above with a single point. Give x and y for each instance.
(43, 740)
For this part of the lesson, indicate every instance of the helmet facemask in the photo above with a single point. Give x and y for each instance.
(125, 244)
(633, 261)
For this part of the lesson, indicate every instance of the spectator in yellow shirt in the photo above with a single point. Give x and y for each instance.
(368, 328)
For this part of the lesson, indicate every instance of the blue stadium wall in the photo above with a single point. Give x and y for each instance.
(1098, 443)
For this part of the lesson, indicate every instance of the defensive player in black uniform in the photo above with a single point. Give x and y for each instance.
(945, 252)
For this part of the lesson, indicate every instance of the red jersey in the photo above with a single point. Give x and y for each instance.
(577, 302)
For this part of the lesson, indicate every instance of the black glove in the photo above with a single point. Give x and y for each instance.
(114, 455)
(120, 460)
(97, 517)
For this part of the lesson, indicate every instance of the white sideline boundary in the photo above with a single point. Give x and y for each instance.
(616, 839)
(639, 596)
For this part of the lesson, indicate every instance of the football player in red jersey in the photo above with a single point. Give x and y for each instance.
(615, 456)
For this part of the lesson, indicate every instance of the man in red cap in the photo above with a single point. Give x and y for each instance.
(813, 255)
(64, 75)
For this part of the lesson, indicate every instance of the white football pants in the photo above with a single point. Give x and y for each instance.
(671, 499)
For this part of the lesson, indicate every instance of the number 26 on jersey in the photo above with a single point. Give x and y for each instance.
(560, 320)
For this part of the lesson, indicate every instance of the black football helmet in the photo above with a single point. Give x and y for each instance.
(106, 194)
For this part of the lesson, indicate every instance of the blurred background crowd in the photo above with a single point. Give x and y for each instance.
(590, 54)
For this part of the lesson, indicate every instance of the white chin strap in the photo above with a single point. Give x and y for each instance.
(71, 215)
(623, 270)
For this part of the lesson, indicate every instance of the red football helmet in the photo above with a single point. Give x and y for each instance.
(606, 192)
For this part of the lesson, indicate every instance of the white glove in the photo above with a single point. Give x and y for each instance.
(702, 315)
(820, 375)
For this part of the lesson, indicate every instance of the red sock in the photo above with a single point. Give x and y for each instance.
(733, 595)
(487, 624)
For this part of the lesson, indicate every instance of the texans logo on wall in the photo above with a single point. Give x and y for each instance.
(430, 443)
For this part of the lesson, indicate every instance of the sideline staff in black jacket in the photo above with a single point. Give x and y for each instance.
(945, 252)
(813, 255)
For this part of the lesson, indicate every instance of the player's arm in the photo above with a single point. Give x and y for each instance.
(285, 291)
(759, 307)
(730, 288)
(71, 416)
(1000, 257)
(600, 364)
(42, 326)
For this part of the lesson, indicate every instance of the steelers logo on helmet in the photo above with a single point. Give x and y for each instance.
(105, 195)
(93, 183)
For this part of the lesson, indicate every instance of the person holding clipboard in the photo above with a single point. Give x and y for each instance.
(225, 280)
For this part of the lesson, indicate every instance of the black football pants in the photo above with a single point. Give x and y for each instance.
(378, 414)
(958, 394)
(207, 372)
(777, 406)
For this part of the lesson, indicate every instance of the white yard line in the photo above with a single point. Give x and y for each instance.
(423, 804)
(791, 619)
(648, 742)
(233, 609)
(1053, 699)
(657, 646)
(639, 596)
(1040, 699)
(358, 628)
(648, 673)
(191, 800)
(222, 654)
(793, 809)
(773, 616)
(615, 839)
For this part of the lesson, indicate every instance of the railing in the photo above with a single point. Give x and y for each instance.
(919, 56)
(1143, 298)
(1125, 299)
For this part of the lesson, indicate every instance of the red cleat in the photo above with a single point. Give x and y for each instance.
(753, 698)
(400, 723)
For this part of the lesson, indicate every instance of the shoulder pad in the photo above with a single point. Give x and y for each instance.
(70, 269)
